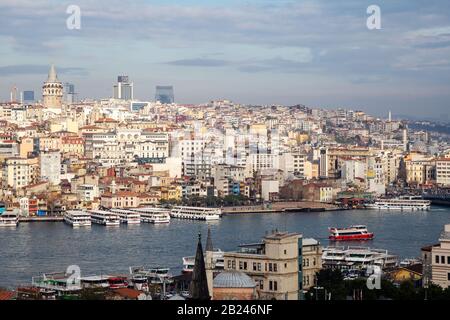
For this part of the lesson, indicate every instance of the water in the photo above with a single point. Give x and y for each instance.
(35, 248)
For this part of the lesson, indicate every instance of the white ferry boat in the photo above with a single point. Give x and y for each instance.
(77, 218)
(105, 218)
(402, 203)
(153, 275)
(9, 219)
(127, 216)
(196, 213)
(154, 215)
(217, 257)
(357, 258)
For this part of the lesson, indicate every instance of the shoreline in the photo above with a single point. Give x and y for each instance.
(286, 207)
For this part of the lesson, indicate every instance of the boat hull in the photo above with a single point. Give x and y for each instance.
(356, 237)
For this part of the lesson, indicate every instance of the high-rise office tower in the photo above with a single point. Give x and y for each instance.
(70, 93)
(164, 94)
(123, 89)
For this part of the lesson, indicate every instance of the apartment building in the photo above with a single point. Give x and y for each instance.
(274, 265)
(72, 145)
(20, 172)
(443, 171)
(50, 166)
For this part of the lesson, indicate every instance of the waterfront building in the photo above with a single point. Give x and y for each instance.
(311, 262)
(440, 259)
(273, 264)
(443, 172)
(269, 189)
(120, 199)
(52, 92)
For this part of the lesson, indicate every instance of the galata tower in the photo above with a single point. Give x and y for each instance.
(52, 91)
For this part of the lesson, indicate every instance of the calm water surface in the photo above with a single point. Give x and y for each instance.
(35, 248)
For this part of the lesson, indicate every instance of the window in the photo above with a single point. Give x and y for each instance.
(285, 251)
(259, 266)
(275, 286)
(442, 259)
(448, 276)
(261, 284)
(448, 260)
(275, 267)
(270, 267)
(437, 259)
(241, 265)
(270, 285)
(254, 266)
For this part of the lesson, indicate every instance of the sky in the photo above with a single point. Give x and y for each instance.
(314, 52)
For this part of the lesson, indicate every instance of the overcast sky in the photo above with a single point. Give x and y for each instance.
(319, 53)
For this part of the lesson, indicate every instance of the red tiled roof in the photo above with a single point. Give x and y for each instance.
(6, 295)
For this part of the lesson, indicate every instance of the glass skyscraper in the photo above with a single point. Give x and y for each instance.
(164, 94)
(28, 96)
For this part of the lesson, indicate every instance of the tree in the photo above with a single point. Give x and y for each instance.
(332, 282)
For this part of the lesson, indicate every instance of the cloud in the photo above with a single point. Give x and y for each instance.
(199, 62)
(32, 69)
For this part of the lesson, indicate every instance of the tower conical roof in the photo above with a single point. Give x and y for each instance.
(52, 76)
(199, 284)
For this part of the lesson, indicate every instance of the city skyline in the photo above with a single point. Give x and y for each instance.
(321, 55)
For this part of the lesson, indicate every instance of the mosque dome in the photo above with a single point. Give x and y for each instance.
(233, 279)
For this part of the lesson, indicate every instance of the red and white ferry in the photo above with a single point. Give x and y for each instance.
(351, 233)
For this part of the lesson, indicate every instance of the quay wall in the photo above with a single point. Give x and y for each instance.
(280, 207)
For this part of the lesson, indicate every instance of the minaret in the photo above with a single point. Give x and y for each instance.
(209, 252)
(209, 244)
(199, 284)
(52, 91)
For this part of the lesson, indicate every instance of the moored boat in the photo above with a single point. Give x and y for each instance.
(217, 261)
(154, 215)
(127, 216)
(9, 219)
(405, 203)
(195, 213)
(77, 218)
(105, 218)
